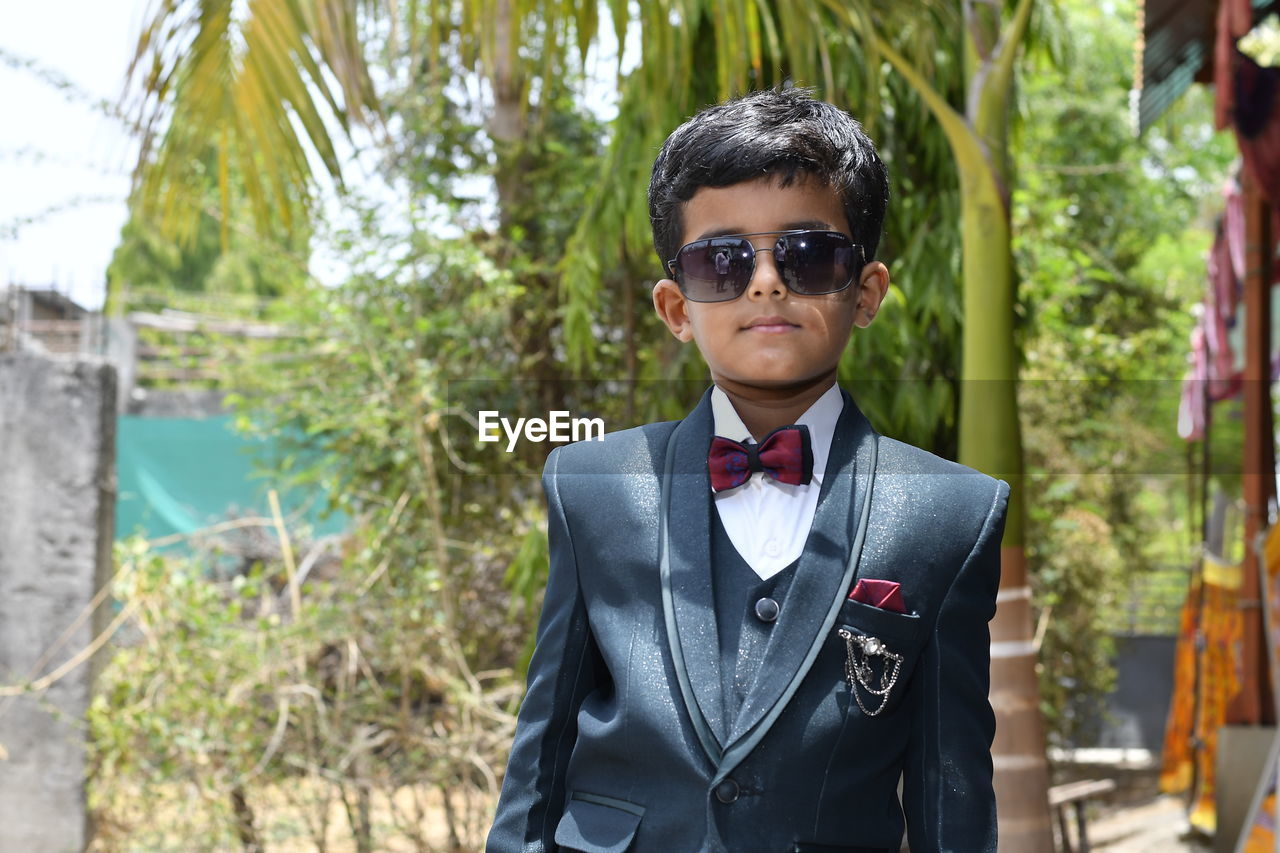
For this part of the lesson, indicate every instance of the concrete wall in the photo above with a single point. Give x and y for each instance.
(57, 497)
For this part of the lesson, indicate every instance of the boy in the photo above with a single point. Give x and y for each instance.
(744, 646)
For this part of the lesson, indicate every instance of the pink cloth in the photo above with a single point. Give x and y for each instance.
(887, 595)
(1233, 226)
(1192, 406)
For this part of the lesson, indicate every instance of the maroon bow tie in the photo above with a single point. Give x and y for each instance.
(785, 455)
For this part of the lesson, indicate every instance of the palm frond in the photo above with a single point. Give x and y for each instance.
(272, 84)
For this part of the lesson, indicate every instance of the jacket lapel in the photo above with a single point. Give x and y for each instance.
(823, 577)
(687, 598)
(826, 572)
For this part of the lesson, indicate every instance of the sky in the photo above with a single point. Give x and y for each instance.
(64, 164)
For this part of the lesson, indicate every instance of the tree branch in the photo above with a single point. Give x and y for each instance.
(1007, 48)
(980, 40)
(965, 144)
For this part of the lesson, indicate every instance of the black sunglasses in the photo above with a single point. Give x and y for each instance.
(810, 263)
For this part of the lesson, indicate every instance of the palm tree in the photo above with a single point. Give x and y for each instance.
(265, 90)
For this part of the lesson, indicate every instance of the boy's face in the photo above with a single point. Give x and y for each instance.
(769, 337)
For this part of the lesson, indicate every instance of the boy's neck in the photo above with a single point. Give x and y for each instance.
(765, 409)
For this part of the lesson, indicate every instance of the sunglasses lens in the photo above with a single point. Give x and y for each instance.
(715, 270)
(811, 262)
(814, 262)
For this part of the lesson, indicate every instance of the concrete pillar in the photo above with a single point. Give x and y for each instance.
(57, 504)
(121, 348)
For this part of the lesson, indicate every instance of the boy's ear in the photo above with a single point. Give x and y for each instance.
(873, 284)
(673, 309)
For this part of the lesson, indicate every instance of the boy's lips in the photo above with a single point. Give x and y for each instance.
(769, 324)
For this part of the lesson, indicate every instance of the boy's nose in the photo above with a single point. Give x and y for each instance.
(766, 281)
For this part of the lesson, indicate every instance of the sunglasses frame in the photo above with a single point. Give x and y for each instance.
(671, 264)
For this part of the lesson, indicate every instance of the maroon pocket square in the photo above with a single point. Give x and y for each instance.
(887, 595)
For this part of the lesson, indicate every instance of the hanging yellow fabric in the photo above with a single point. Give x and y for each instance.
(1199, 706)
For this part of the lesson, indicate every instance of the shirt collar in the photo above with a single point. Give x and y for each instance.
(820, 418)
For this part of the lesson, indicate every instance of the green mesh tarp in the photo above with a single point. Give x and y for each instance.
(179, 475)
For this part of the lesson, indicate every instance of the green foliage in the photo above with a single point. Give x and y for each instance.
(578, 223)
(381, 389)
(1110, 237)
(253, 709)
(270, 86)
(398, 663)
(906, 364)
(376, 401)
(220, 255)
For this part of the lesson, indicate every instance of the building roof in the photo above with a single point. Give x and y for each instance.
(1175, 49)
(57, 302)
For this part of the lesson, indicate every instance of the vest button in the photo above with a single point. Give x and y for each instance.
(767, 610)
(727, 791)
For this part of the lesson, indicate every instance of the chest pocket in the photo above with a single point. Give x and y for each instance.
(594, 823)
(879, 649)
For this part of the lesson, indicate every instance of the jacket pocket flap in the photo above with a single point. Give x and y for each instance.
(598, 824)
(866, 619)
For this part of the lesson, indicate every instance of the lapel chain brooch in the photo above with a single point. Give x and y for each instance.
(859, 671)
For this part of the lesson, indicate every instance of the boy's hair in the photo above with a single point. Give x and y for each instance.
(785, 133)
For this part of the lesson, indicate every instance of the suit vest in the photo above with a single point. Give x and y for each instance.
(746, 610)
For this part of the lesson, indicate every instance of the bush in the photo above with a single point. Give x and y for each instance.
(254, 710)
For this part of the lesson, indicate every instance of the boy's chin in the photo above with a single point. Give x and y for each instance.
(773, 383)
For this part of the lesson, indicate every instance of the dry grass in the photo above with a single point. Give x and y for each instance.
(412, 819)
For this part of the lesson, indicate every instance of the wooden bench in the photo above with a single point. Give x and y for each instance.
(1076, 794)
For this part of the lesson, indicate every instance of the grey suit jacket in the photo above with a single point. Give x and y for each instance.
(622, 742)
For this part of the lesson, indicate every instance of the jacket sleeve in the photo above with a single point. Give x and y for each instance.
(561, 673)
(947, 789)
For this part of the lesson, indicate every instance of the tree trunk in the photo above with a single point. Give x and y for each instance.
(509, 128)
(990, 433)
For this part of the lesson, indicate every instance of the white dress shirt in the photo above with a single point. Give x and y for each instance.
(767, 521)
